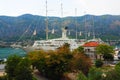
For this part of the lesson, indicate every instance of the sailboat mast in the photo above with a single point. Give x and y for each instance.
(46, 22)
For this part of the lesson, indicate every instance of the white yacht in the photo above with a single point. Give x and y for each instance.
(53, 44)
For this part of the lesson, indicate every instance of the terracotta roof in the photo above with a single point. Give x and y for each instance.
(91, 44)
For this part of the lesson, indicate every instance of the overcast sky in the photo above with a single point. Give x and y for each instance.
(37, 7)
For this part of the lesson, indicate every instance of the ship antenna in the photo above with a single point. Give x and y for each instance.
(46, 22)
(76, 21)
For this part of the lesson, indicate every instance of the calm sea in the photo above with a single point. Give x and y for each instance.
(6, 52)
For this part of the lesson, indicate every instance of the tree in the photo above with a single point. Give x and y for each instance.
(18, 68)
(23, 71)
(64, 49)
(108, 57)
(10, 67)
(80, 62)
(80, 49)
(36, 56)
(53, 65)
(105, 51)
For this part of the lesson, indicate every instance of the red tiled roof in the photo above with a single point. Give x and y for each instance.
(91, 44)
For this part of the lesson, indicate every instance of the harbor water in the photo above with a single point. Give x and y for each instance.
(6, 52)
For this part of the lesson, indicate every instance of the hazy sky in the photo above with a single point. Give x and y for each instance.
(37, 7)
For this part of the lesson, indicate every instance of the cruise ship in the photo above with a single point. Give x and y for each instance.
(53, 44)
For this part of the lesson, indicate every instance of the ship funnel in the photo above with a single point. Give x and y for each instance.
(64, 32)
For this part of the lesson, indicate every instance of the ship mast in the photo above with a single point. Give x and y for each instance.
(93, 28)
(76, 21)
(85, 26)
(64, 29)
(61, 10)
(46, 22)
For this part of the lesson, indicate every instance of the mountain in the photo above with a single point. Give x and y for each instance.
(22, 27)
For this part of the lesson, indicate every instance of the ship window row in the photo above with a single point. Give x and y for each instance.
(44, 43)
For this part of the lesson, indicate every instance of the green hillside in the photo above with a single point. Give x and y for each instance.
(22, 27)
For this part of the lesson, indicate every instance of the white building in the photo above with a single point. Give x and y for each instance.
(90, 49)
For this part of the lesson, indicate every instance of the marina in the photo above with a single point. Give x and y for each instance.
(59, 40)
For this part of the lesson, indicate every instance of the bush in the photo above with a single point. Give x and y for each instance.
(3, 78)
(81, 76)
(111, 75)
(98, 63)
(34, 78)
(95, 74)
(81, 62)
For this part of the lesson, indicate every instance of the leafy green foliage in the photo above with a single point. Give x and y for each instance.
(18, 68)
(104, 49)
(3, 77)
(100, 74)
(53, 64)
(80, 49)
(64, 49)
(117, 68)
(108, 57)
(111, 75)
(10, 67)
(36, 56)
(81, 62)
(23, 71)
(81, 76)
(98, 63)
(95, 74)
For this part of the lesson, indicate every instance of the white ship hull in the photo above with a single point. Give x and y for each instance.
(28, 49)
(53, 44)
(31, 48)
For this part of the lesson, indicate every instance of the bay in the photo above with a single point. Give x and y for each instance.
(6, 52)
